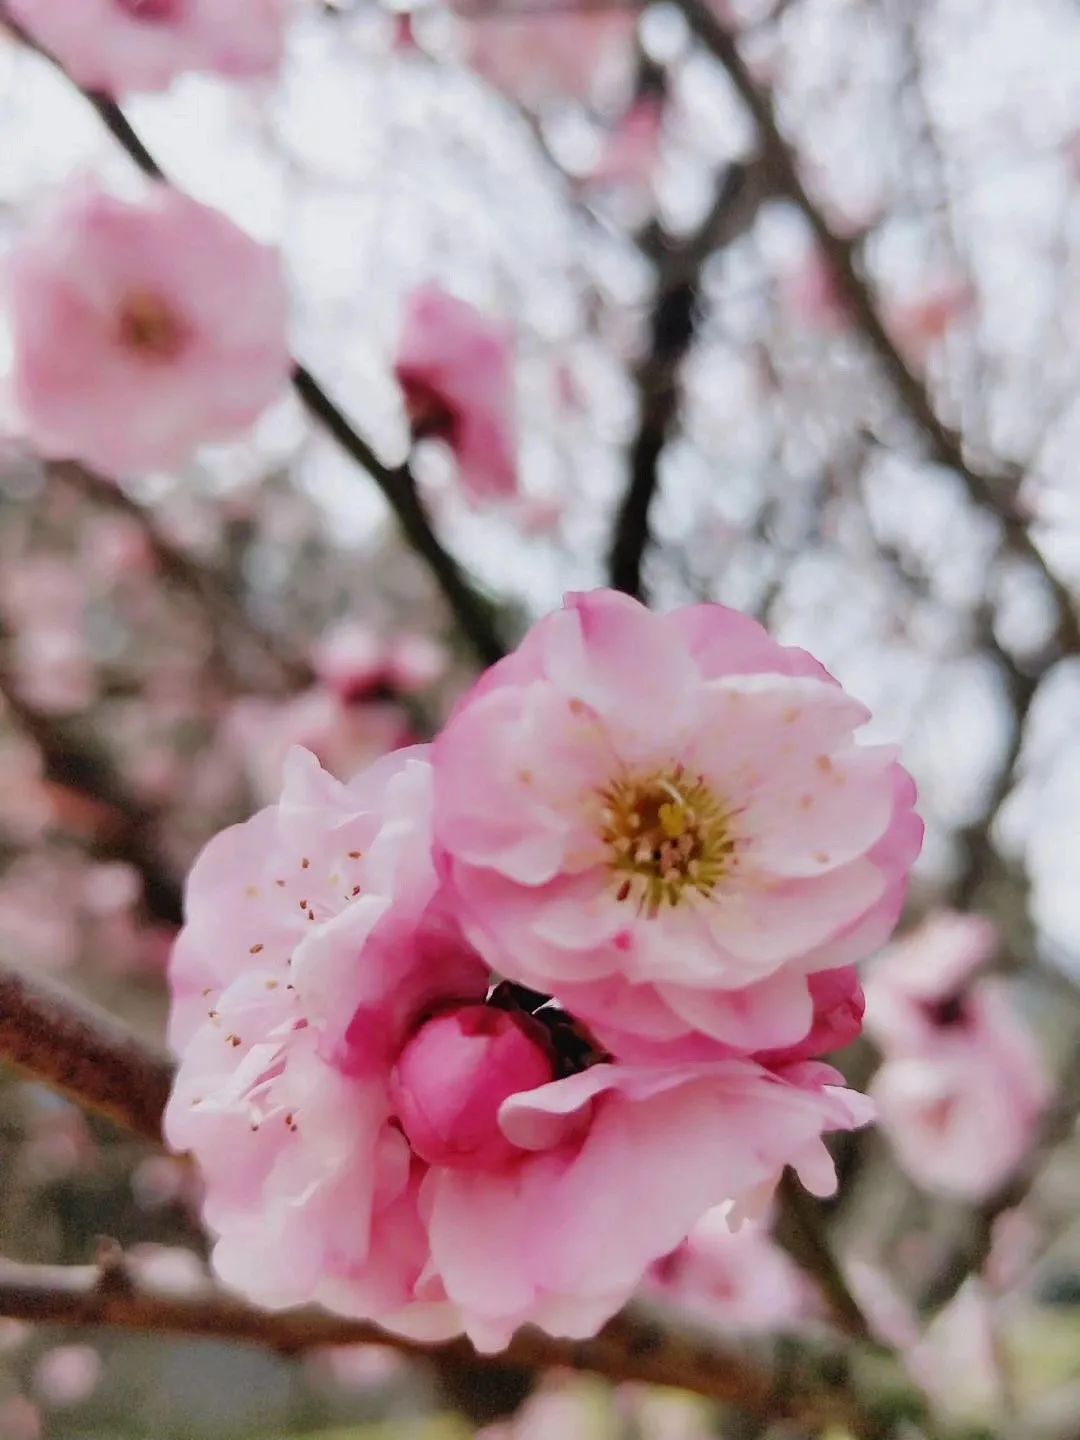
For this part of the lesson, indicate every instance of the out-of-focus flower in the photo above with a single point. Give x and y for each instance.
(738, 1279)
(20, 1419)
(632, 148)
(142, 330)
(673, 827)
(562, 54)
(455, 369)
(345, 735)
(921, 324)
(957, 1361)
(962, 1084)
(67, 1375)
(120, 46)
(357, 663)
(416, 1146)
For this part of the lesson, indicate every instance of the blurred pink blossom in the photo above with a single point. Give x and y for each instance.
(142, 330)
(414, 1153)
(345, 736)
(736, 1278)
(67, 1375)
(631, 150)
(562, 54)
(20, 1419)
(118, 46)
(356, 663)
(456, 371)
(673, 827)
(963, 1083)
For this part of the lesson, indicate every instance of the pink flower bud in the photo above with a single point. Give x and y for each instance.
(454, 1074)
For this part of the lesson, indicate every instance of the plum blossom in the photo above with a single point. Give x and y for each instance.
(962, 1084)
(123, 46)
(455, 369)
(738, 1279)
(142, 330)
(421, 1144)
(673, 828)
(354, 661)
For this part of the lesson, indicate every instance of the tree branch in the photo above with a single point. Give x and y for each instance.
(397, 483)
(995, 489)
(82, 1051)
(633, 1347)
(672, 324)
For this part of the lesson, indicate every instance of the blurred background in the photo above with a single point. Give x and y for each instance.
(803, 274)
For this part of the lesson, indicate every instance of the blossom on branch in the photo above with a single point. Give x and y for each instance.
(455, 369)
(673, 828)
(123, 46)
(386, 1128)
(142, 330)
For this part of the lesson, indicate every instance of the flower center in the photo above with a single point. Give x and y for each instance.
(153, 11)
(666, 835)
(148, 326)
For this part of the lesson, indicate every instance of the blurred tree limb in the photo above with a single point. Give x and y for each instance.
(632, 1347)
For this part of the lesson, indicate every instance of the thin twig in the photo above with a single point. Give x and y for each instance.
(397, 483)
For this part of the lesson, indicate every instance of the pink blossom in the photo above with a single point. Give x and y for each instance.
(380, 1131)
(672, 827)
(738, 1279)
(962, 1084)
(67, 1375)
(120, 46)
(534, 56)
(632, 150)
(142, 330)
(456, 371)
(344, 735)
(356, 663)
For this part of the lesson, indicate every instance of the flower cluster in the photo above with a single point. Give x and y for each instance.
(963, 1084)
(120, 46)
(477, 1038)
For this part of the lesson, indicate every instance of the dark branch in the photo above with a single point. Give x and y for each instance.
(673, 323)
(633, 1347)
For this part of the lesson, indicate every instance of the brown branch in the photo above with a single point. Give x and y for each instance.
(673, 322)
(995, 489)
(472, 612)
(633, 1347)
(83, 1052)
